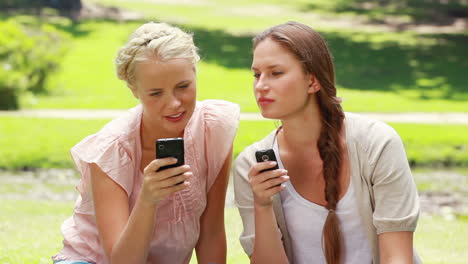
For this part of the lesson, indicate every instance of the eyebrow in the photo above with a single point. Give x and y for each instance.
(269, 67)
(154, 90)
(160, 89)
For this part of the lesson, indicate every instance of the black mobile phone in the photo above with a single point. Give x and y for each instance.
(266, 155)
(170, 147)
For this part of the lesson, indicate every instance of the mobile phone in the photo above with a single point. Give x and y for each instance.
(266, 155)
(170, 147)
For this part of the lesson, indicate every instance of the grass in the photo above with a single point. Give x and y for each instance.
(30, 233)
(41, 143)
(425, 145)
(441, 241)
(45, 143)
(30, 230)
(378, 71)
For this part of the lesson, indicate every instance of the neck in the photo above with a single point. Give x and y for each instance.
(302, 131)
(149, 133)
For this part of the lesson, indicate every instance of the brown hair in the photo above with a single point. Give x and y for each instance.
(312, 51)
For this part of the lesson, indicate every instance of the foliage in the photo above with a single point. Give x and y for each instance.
(377, 70)
(65, 7)
(28, 54)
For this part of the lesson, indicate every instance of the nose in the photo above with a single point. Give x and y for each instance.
(175, 102)
(260, 85)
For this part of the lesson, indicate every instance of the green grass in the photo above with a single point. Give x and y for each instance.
(30, 233)
(30, 230)
(441, 241)
(425, 144)
(376, 70)
(45, 143)
(41, 143)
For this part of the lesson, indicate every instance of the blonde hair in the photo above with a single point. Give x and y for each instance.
(154, 40)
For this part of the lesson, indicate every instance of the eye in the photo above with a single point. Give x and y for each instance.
(183, 86)
(156, 94)
(276, 73)
(256, 75)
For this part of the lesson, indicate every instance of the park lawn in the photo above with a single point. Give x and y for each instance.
(377, 71)
(425, 144)
(209, 13)
(45, 143)
(30, 232)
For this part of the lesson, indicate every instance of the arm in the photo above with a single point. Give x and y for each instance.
(396, 247)
(126, 235)
(211, 245)
(396, 200)
(268, 247)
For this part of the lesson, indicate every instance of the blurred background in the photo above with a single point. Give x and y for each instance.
(404, 62)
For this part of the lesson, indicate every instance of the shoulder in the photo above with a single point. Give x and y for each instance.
(125, 124)
(213, 110)
(373, 139)
(214, 120)
(115, 134)
(369, 133)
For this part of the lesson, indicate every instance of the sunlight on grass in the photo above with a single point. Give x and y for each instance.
(43, 144)
(442, 241)
(394, 78)
(30, 232)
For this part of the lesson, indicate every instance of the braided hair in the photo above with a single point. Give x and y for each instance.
(311, 50)
(154, 41)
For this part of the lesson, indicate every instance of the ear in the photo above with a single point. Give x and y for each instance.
(314, 85)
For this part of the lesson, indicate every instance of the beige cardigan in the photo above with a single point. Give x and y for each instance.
(381, 177)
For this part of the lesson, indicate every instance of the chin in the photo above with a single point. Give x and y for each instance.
(270, 115)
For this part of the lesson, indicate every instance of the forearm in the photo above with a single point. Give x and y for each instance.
(211, 248)
(268, 247)
(133, 244)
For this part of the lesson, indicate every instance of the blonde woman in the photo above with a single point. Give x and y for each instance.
(128, 211)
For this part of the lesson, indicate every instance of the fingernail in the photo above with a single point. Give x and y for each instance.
(272, 163)
(284, 171)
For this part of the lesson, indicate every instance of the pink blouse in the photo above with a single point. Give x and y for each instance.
(116, 149)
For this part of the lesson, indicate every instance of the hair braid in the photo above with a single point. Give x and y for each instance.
(330, 152)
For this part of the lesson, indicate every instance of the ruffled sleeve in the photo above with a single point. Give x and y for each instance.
(106, 151)
(221, 122)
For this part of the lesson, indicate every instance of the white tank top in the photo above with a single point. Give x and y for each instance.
(305, 221)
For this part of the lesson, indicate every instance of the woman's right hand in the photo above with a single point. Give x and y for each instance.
(266, 184)
(158, 185)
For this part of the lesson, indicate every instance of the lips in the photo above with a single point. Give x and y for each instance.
(262, 101)
(175, 118)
